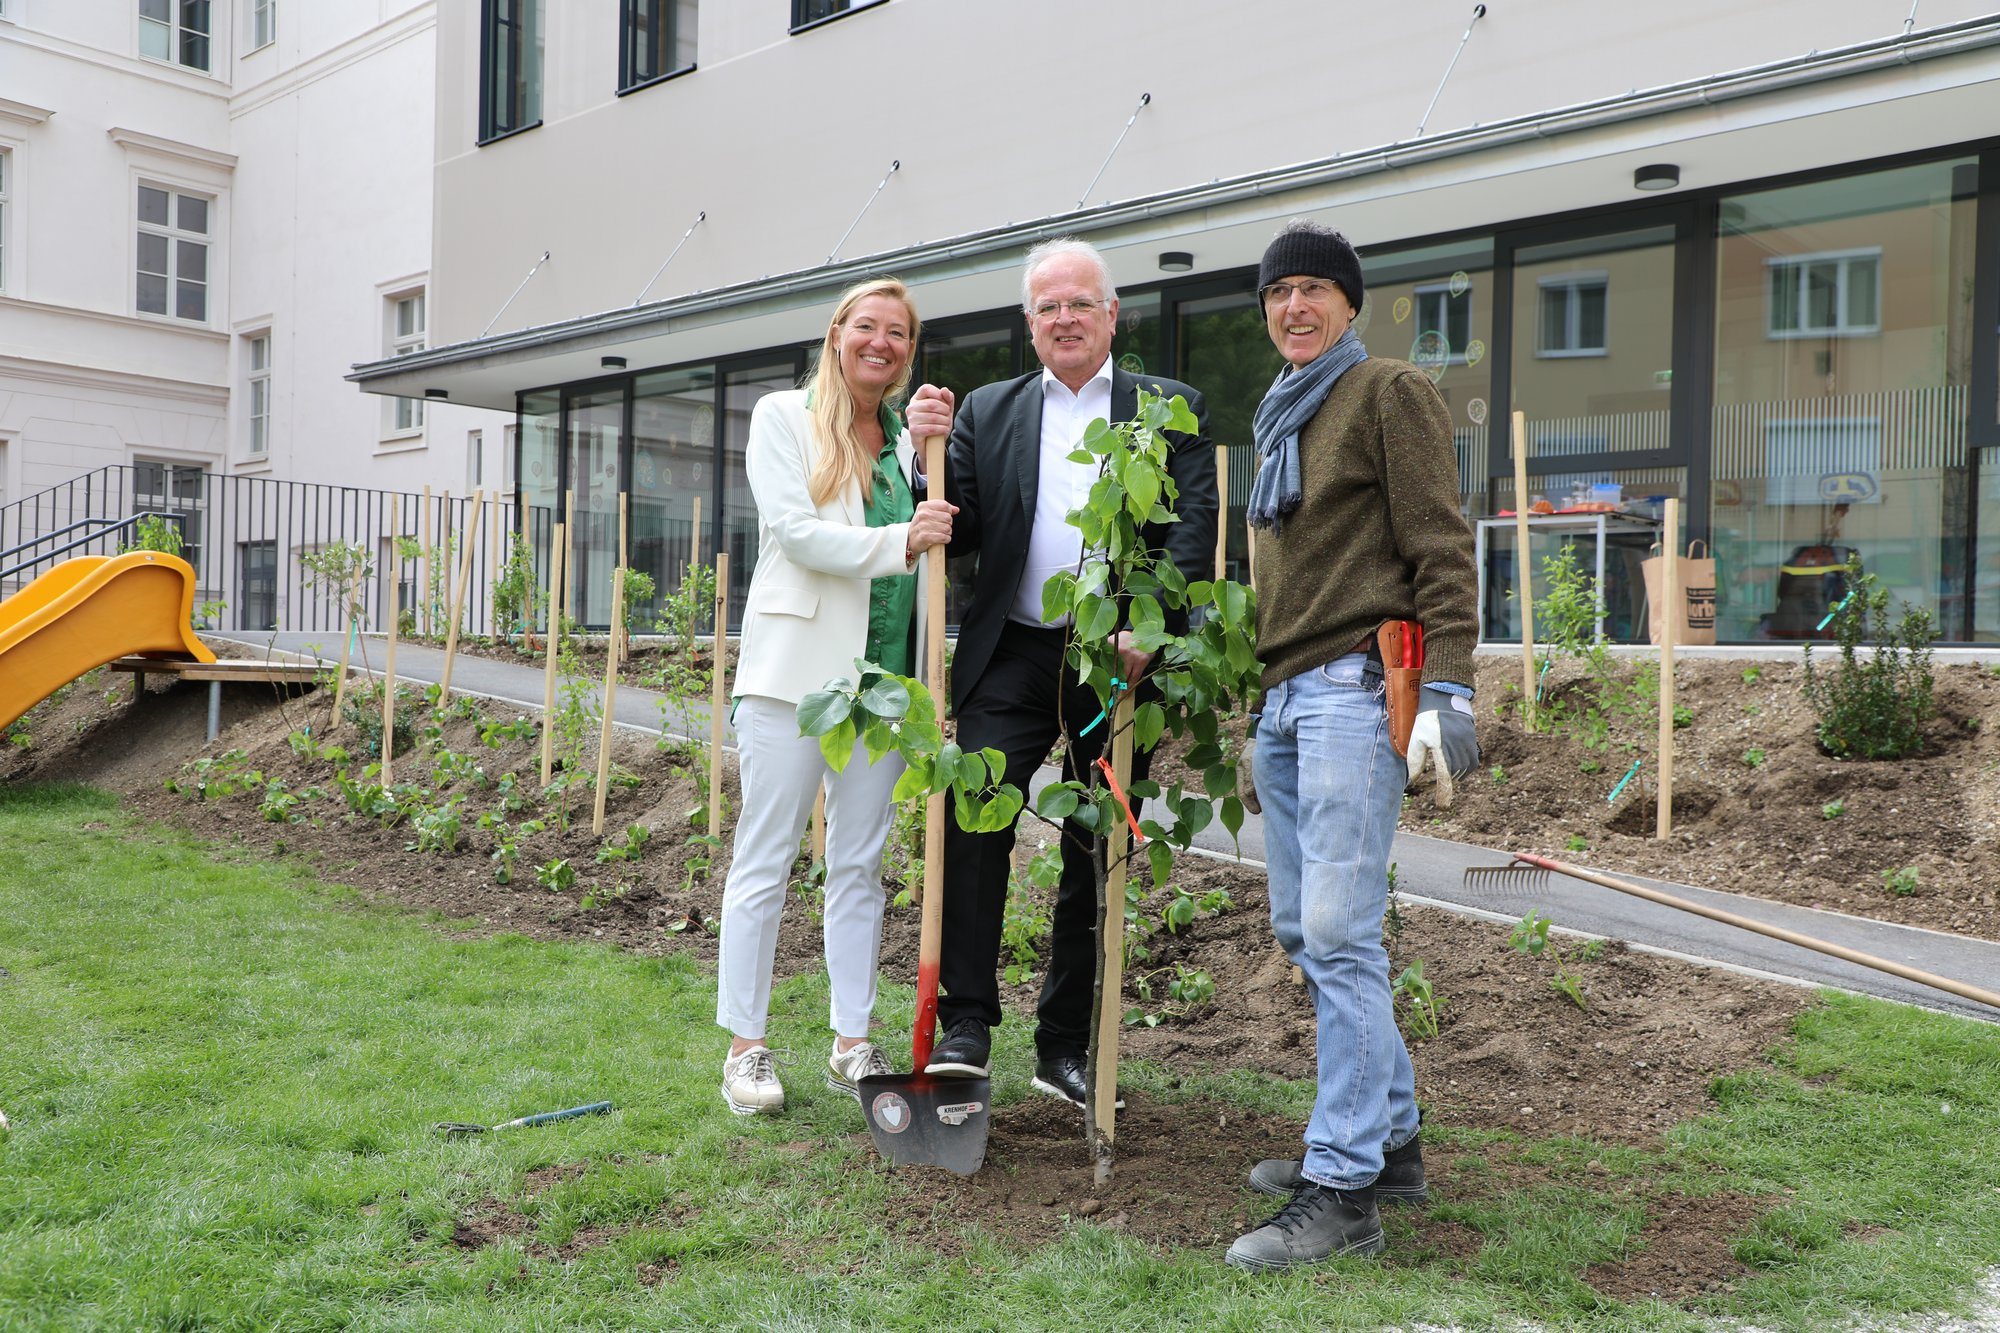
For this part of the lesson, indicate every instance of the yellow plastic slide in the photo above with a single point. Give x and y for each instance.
(89, 611)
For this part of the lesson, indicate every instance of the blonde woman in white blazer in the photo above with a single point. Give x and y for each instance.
(839, 532)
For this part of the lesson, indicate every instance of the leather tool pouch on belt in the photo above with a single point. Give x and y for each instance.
(1400, 644)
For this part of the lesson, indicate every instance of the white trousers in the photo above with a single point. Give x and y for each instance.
(782, 772)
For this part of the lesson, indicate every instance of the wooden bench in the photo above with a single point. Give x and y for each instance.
(215, 673)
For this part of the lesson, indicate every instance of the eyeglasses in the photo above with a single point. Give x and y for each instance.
(1313, 290)
(1082, 308)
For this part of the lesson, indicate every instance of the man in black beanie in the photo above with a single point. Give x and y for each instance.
(1357, 499)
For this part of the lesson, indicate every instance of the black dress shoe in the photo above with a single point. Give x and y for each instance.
(965, 1052)
(1062, 1076)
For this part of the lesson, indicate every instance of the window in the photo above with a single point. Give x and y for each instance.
(257, 585)
(1440, 310)
(805, 13)
(1836, 294)
(6, 163)
(175, 31)
(263, 23)
(507, 438)
(510, 67)
(173, 254)
(259, 361)
(176, 489)
(1571, 318)
(475, 461)
(655, 39)
(406, 335)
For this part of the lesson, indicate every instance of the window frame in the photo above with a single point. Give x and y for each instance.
(490, 21)
(179, 31)
(7, 174)
(175, 237)
(1799, 263)
(1571, 284)
(1419, 292)
(257, 394)
(264, 14)
(405, 417)
(629, 47)
(800, 23)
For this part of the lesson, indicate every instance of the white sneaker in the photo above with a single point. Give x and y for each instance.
(750, 1083)
(845, 1069)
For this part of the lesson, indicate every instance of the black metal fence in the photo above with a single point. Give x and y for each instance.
(245, 537)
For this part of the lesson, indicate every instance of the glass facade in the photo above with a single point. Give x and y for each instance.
(1807, 365)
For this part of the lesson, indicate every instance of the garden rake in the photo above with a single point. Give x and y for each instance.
(458, 1128)
(1528, 872)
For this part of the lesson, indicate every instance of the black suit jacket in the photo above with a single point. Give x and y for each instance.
(992, 466)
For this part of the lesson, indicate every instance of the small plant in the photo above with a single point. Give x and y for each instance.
(1530, 937)
(1419, 1000)
(282, 806)
(225, 774)
(1577, 843)
(1683, 717)
(1588, 766)
(1874, 709)
(1753, 757)
(1024, 927)
(1499, 775)
(1392, 914)
(634, 845)
(156, 532)
(1590, 950)
(514, 591)
(1902, 882)
(557, 875)
(1752, 710)
(436, 828)
(1752, 674)
(1833, 810)
(1187, 990)
(495, 734)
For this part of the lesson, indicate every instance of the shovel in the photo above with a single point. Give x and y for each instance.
(919, 1119)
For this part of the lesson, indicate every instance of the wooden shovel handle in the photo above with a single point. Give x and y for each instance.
(930, 943)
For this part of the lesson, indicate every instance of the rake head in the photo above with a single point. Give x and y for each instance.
(1517, 877)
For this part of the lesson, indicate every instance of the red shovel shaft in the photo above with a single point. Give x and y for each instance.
(930, 943)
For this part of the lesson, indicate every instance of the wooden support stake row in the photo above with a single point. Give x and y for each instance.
(556, 548)
(1221, 512)
(1524, 576)
(458, 593)
(424, 558)
(610, 697)
(351, 623)
(389, 683)
(1669, 612)
(1111, 932)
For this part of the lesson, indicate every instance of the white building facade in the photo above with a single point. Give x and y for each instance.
(1747, 259)
(208, 211)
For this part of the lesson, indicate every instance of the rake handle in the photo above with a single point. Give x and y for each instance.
(1841, 951)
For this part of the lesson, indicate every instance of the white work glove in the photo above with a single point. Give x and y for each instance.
(1246, 778)
(1444, 728)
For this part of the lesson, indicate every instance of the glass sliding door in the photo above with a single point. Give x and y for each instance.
(1843, 354)
(538, 471)
(962, 355)
(742, 387)
(673, 476)
(1225, 353)
(594, 431)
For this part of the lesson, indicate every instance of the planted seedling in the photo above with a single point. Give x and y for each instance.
(1421, 1002)
(1530, 937)
(1754, 757)
(1187, 990)
(1833, 810)
(1577, 843)
(1902, 882)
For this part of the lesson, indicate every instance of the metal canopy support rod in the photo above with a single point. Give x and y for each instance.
(517, 291)
(1145, 100)
(1911, 21)
(894, 167)
(1478, 13)
(699, 218)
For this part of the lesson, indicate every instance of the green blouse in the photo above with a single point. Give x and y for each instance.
(892, 600)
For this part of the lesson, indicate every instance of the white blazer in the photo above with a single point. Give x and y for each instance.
(806, 618)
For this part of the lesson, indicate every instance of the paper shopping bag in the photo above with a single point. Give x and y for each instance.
(1694, 609)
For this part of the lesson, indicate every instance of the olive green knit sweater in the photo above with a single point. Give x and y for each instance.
(1378, 535)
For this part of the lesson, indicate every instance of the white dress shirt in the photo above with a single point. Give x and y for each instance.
(1053, 544)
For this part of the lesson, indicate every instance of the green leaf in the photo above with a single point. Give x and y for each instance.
(886, 698)
(838, 745)
(823, 710)
(1182, 417)
(1147, 724)
(1234, 601)
(1057, 800)
(1096, 618)
(916, 781)
(1142, 490)
(1179, 914)
(1232, 814)
(1161, 858)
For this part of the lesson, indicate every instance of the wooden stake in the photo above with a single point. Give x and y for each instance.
(424, 558)
(1221, 512)
(694, 536)
(556, 547)
(610, 696)
(1670, 614)
(819, 826)
(350, 626)
(624, 559)
(389, 683)
(493, 565)
(569, 549)
(718, 694)
(458, 594)
(1111, 936)
(1524, 576)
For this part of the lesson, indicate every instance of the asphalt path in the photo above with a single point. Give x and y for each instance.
(1430, 871)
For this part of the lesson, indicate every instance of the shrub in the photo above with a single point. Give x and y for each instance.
(1874, 709)
(1901, 882)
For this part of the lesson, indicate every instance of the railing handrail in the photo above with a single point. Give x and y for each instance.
(19, 547)
(110, 526)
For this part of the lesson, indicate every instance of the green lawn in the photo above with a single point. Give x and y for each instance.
(222, 1077)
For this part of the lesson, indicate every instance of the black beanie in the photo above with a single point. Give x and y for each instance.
(1316, 252)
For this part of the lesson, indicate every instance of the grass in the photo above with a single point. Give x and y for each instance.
(223, 1075)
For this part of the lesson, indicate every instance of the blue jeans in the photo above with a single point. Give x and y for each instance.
(1331, 786)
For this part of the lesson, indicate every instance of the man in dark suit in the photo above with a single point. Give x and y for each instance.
(1008, 471)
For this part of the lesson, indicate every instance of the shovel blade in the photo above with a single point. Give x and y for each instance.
(924, 1120)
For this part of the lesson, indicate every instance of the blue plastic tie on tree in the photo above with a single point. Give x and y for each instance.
(1116, 686)
(1836, 611)
(1622, 781)
(1547, 662)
